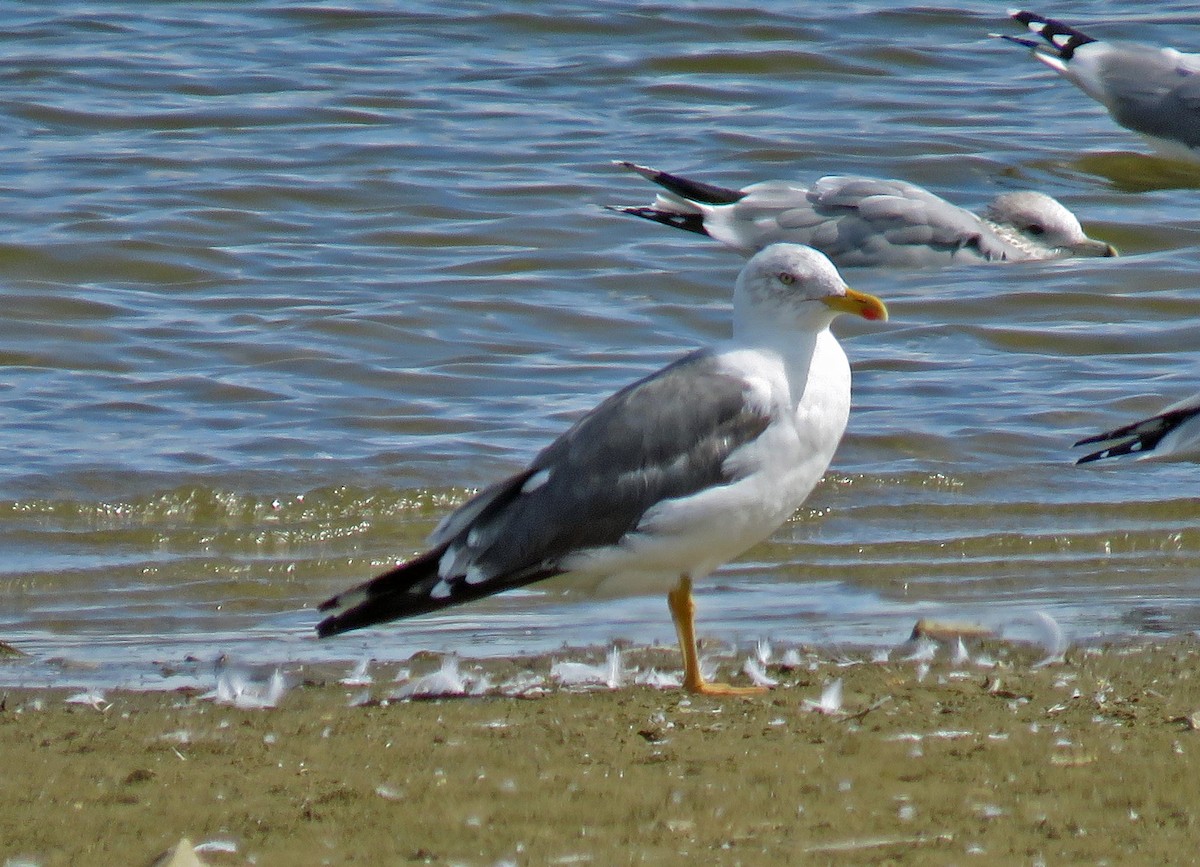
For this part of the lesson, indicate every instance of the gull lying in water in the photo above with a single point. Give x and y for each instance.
(871, 222)
(666, 480)
(1153, 91)
(1173, 434)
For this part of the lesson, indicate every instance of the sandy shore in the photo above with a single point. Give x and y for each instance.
(991, 760)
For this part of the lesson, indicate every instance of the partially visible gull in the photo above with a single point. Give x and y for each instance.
(1173, 434)
(667, 479)
(871, 222)
(1152, 91)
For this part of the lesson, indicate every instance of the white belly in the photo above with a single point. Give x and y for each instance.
(774, 475)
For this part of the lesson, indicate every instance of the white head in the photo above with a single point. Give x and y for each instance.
(790, 286)
(1042, 227)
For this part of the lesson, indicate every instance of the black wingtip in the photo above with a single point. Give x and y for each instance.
(328, 627)
(1019, 40)
(1061, 37)
(1130, 447)
(1112, 451)
(1094, 456)
(685, 188)
(351, 613)
(1138, 438)
(1141, 436)
(403, 591)
(1095, 438)
(1127, 447)
(371, 612)
(687, 222)
(1022, 16)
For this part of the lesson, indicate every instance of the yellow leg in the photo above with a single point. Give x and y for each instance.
(683, 612)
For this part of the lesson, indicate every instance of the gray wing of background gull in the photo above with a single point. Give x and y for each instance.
(1173, 434)
(663, 437)
(1152, 91)
(870, 222)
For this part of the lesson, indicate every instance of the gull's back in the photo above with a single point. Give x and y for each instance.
(858, 221)
(1152, 91)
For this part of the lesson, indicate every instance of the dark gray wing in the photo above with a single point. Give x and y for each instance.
(663, 437)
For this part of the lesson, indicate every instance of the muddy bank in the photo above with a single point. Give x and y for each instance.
(985, 759)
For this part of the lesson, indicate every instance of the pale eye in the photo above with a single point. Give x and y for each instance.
(786, 278)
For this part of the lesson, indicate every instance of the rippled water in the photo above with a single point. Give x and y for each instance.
(282, 283)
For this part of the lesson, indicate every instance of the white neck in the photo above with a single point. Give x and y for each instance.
(793, 338)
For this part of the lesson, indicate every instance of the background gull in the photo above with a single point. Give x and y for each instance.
(860, 221)
(1173, 434)
(664, 481)
(1152, 91)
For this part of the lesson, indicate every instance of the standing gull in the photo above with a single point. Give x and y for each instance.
(1152, 91)
(1173, 434)
(871, 222)
(667, 479)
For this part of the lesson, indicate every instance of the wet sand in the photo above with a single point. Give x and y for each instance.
(1088, 760)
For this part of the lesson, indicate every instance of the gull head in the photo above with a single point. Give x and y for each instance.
(793, 284)
(1042, 227)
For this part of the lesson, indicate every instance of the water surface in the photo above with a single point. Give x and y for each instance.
(283, 283)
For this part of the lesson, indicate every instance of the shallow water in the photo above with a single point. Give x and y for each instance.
(283, 283)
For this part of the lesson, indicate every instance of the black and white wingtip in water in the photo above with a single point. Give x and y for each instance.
(687, 222)
(1170, 435)
(683, 190)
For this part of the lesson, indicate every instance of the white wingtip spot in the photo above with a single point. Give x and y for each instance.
(454, 561)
